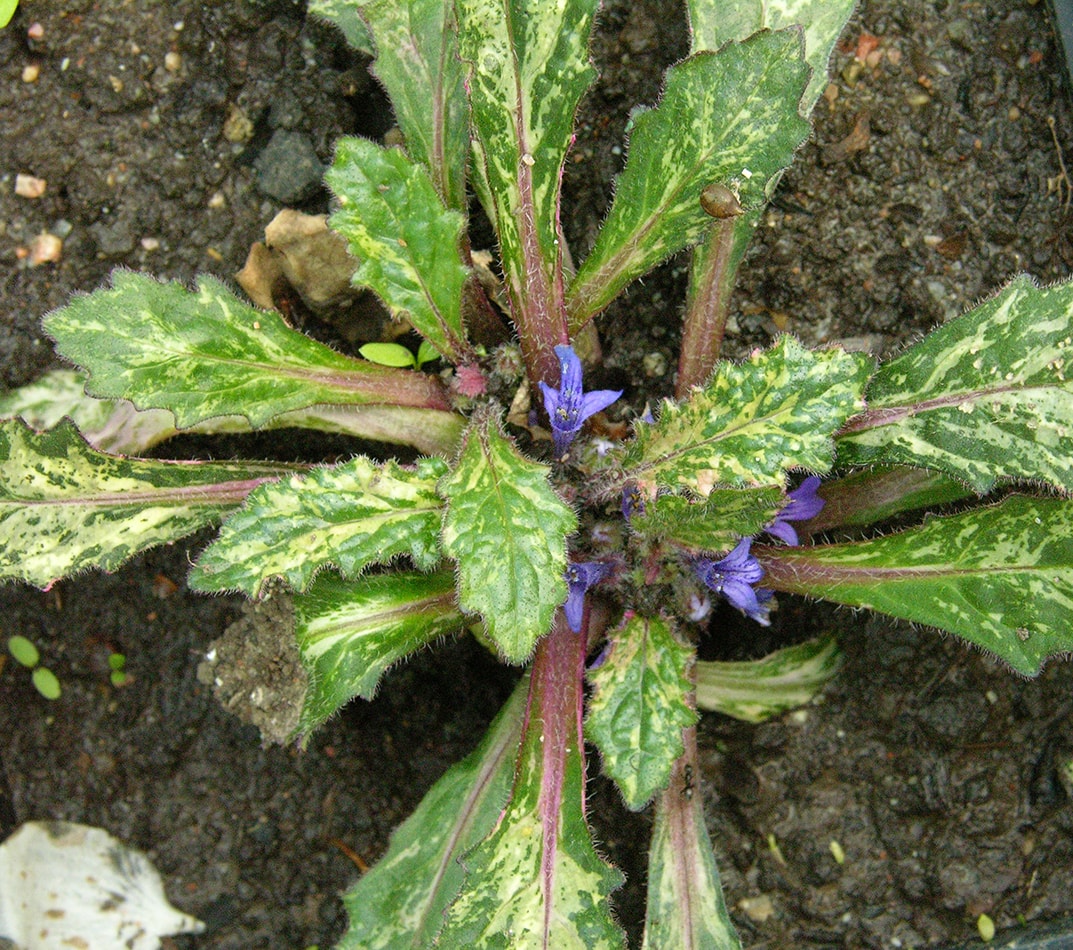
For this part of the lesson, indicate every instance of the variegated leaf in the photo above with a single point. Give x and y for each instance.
(406, 242)
(344, 14)
(729, 117)
(752, 422)
(346, 516)
(507, 528)
(1001, 577)
(639, 707)
(685, 907)
(65, 507)
(537, 881)
(205, 353)
(410, 887)
(528, 67)
(714, 22)
(417, 62)
(116, 427)
(983, 398)
(715, 524)
(350, 632)
(757, 690)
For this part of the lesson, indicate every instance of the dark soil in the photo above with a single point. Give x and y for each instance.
(939, 773)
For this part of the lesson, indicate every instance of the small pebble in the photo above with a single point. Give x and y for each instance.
(45, 249)
(27, 186)
(35, 31)
(30, 72)
(173, 62)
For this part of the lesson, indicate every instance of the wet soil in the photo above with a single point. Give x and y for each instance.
(934, 173)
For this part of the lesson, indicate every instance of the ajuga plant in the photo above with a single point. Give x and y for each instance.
(932, 487)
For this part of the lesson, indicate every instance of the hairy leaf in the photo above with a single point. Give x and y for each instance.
(528, 67)
(507, 528)
(205, 353)
(714, 23)
(401, 900)
(1001, 577)
(65, 507)
(537, 881)
(751, 423)
(715, 524)
(115, 426)
(685, 908)
(417, 62)
(729, 117)
(639, 707)
(344, 14)
(983, 398)
(346, 516)
(757, 690)
(350, 632)
(405, 241)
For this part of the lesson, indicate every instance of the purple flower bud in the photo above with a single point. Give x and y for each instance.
(632, 502)
(733, 577)
(804, 504)
(568, 406)
(580, 577)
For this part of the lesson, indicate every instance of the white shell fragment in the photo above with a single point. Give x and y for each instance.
(65, 885)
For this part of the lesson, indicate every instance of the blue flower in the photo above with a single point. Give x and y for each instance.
(579, 578)
(733, 577)
(804, 504)
(568, 407)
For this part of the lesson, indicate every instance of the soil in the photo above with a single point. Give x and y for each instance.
(935, 173)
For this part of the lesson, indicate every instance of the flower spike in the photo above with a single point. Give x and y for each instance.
(734, 577)
(568, 406)
(579, 578)
(804, 504)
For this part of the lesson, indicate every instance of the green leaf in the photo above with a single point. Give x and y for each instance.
(507, 528)
(537, 881)
(346, 516)
(388, 354)
(417, 62)
(405, 240)
(344, 14)
(639, 707)
(715, 524)
(714, 22)
(1001, 577)
(728, 117)
(7, 11)
(205, 353)
(402, 899)
(65, 507)
(685, 907)
(350, 632)
(984, 397)
(24, 651)
(758, 690)
(116, 427)
(528, 67)
(46, 682)
(751, 423)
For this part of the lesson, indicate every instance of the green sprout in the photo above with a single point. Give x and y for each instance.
(26, 654)
(117, 665)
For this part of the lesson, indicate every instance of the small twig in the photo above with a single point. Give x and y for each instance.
(1062, 179)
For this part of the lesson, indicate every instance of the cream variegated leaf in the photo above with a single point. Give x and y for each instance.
(729, 117)
(1000, 576)
(346, 516)
(639, 707)
(405, 241)
(507, 529)
(986, 397)
(65, 507)
(751, 423)
(350, 632)
(715, 22)
(204, 353)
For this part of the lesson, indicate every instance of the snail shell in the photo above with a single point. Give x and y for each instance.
(719, 201)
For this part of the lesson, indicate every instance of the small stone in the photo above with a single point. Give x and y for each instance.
(45, 249)
(173, 62)
(30, 72)
(27, 186)
(288, 169)
(655, 364)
